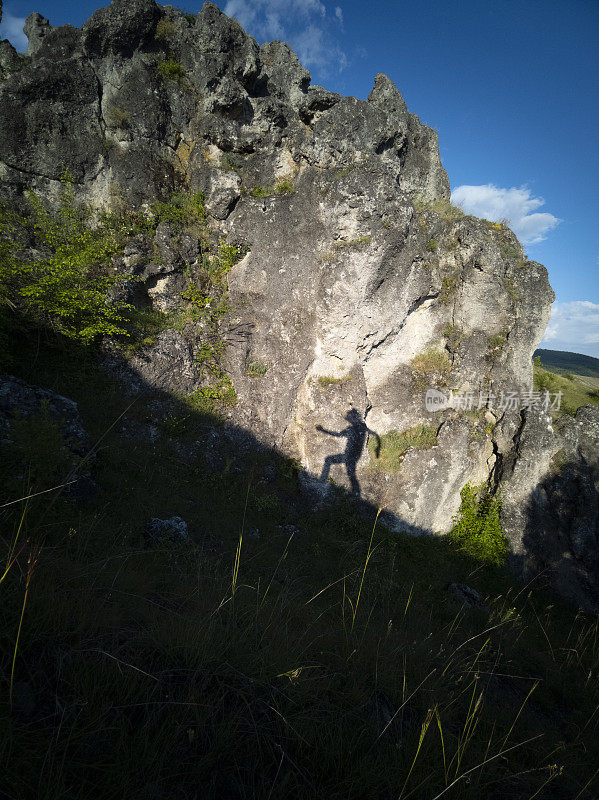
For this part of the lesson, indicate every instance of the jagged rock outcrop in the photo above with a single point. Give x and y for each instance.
(550, 489)
(361, 287)
(21, 402)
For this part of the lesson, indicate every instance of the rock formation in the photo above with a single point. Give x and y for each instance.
(361, 287)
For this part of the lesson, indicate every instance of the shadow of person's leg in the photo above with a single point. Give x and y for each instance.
(328, 463)
(355, 484)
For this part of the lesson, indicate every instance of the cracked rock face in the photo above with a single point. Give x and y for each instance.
(550, 494)
(361, 289)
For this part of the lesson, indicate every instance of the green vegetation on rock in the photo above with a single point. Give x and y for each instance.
(477, 528)
(63, 281)
(394, 446)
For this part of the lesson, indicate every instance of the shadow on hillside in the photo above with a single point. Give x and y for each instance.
(119, 401)
(561, 535)
(560, 539)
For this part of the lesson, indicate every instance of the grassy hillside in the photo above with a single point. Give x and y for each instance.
(285, 653)
(562, 361)
(576, 390)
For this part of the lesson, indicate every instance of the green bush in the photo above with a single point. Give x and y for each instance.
(477, 528)
(64, 283)
(169, 69)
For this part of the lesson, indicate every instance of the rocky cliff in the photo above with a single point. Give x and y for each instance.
(361, 287)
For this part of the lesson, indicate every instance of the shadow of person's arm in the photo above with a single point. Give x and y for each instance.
(328, 432)
(377, 449)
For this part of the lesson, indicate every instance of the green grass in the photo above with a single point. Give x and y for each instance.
(256, 369)
(282, 186)
(330, 662)
(171, 70)
(394, 446)
(324, 381)
(575, 390)
(430, 366)
(558, 361)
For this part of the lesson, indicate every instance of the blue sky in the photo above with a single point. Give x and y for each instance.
(511, 86)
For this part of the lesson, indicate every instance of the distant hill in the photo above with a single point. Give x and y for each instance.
(562, 361)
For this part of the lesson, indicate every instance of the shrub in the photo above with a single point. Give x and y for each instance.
(477, 528)
(394, 446)
(431, 246)
(169, 69)
(64, 285)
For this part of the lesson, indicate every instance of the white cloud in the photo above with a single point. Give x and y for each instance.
(304, 24)
(11, 28)
(516, 205)
(574, 326)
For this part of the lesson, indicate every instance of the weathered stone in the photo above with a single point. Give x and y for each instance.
(173, 529)
(464, 595)
(550, 494)
(361, 288)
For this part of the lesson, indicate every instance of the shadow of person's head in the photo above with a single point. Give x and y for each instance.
(353, 416)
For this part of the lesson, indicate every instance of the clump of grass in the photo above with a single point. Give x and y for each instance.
(431, 246)
(165, 30)
(181, 210)
(261, 191)
(117, 117)
(454, 336)
(511, 290)
(430, 365)
(284, 186)
(394, 445)
(477, 527)
(443, 208)
(341, 173)
(497, 342)
(324, 381)
(346, 244)
(171, 70)
(449, 285)
(256, 369)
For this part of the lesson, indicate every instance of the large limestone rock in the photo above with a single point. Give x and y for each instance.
(550, 489)
(361, 288)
